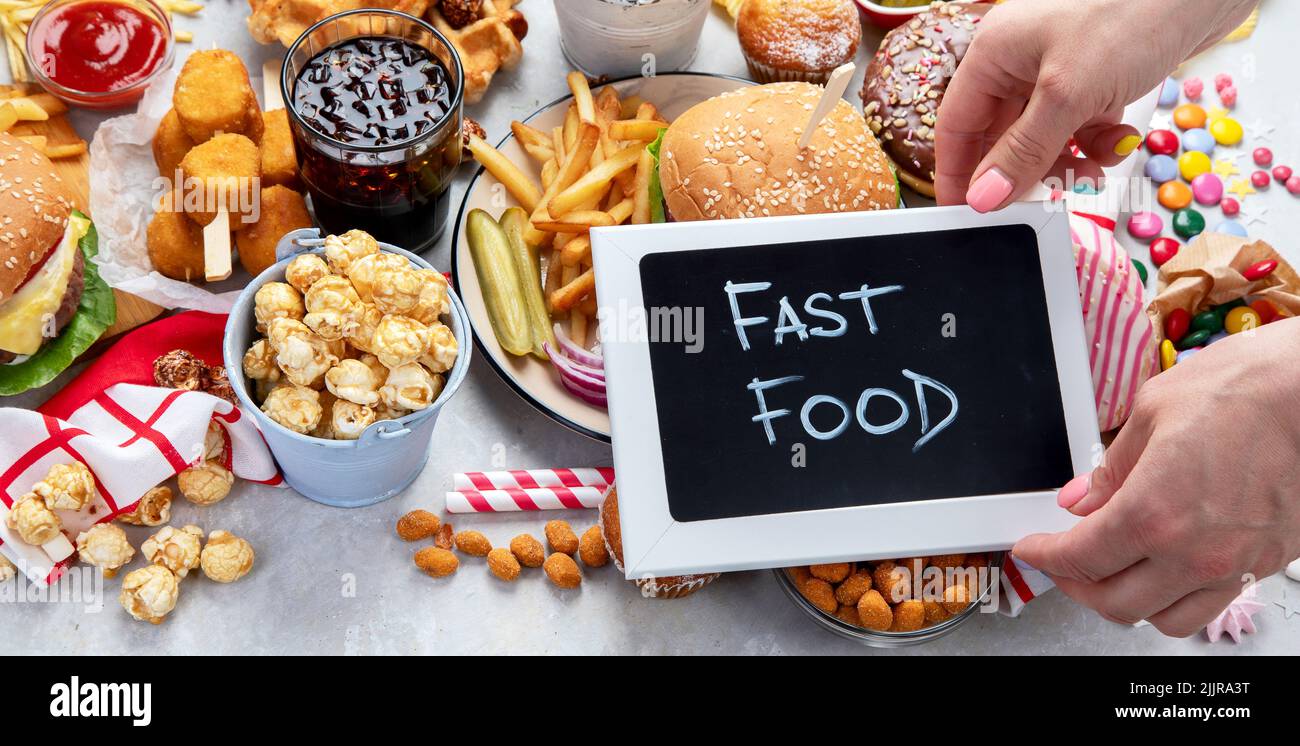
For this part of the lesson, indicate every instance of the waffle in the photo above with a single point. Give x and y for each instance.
(487, 38)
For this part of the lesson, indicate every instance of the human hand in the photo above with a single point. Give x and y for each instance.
(1201, 487)
(1041, 72)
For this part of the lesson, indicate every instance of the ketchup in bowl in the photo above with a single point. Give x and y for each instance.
(99, 53)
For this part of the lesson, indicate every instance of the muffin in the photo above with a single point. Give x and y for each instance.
(675, 586)
(797, 40)
(905, 82)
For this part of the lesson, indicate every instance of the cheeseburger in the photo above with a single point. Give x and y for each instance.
(737, 155)
(53, 305)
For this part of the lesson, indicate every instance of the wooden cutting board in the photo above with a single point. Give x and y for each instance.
(131, 311)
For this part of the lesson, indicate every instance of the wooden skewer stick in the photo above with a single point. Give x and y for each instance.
(216, 247)
(834, 91)
(271, 84)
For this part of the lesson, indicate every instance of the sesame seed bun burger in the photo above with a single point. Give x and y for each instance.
(737, 155)
(53, 304)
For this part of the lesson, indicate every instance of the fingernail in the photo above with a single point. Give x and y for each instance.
(1074, 491)
(1127, 145)
(988, 191)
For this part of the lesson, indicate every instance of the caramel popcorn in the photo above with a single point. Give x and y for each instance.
(365, 320)
(277, 300)
(410, 387)
(385, 412)
(67, 487)
(399, 340)
(259, 362)
(301, 353)
(433, 301)
(7, 569)
(179, 369)
(342, 251)
(217, 384)
(214, 442)
(325, 428)
(443, 349)
(304, 270)
(354, 381)
(226, 558)
(349, 420)
(331, 304)
(363, 271)
(175, 549)
(33, 520)
(296, 407)
(154, 509)
(207, 483)
(150, 593)
(105, 546)
(396, 290)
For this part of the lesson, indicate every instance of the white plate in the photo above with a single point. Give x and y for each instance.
(535, 380)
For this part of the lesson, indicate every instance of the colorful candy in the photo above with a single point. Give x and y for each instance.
(1163, 142)
(1259, 270)
(1175, 195)
(1193, 339)
(1262, 156)
(1231, 228)
(1186, 354)
(1221, 81)
(1208, 189)
(1189, 116)
(1168, 94)
(1177, 322)
(1188, 223)
(1198, 138)
(1240, 319)
(1141, 269)
(1193, 88)
(1293, 185)
(1216, 337)
(1260, 179)
(1168, 355)
(1226, 131)
(1228, 96)
(1230, 206)
(1207, 321)
(1193, 163)
(1145, 224)
(1282, 173)
(1161, 168)
(1163, 249)
(1266, 311)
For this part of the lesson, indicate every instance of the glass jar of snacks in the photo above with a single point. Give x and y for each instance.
(618, 38)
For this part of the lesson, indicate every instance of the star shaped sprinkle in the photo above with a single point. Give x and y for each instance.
(1290, 606)
(1260, 131)
(1241, 188)
(1224, 167)
(1160, 122)
(1255, 215)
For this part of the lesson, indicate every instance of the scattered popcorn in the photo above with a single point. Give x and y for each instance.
(33, 520)
(410, 387)
(105, 546)
(179, 369)
(67, 487)
(349, 420)
(355, 381)
(277, 300)
(176, 549)
(207, 483)
(342, 251)
(296, 407)
(149, 594)
(304, 270)
(226, 557)
(154, 509)
(7, 569)
(214, 442)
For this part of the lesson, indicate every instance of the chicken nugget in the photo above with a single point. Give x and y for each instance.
(213, 95)
(170, 144)
(831, 573)
(279, 162)
(854, 586)
(281, 210)
(909, 616)
(175, 243)
(874, 613)
(226, 168)
(819, 593)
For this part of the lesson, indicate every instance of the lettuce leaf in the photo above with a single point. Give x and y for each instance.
(656, 189)
(95, 314)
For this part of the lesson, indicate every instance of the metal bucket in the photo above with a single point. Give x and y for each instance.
(389, 455)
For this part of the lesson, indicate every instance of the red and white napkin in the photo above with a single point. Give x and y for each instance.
(131, 436)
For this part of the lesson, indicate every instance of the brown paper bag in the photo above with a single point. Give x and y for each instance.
(1207, 272)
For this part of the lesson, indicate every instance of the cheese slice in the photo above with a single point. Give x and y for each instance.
(27, 318)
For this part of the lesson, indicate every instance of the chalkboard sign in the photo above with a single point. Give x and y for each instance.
(815, 368)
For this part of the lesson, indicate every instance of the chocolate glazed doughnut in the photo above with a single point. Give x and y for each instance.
(905, 83)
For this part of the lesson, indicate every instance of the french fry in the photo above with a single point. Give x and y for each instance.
(641, 190)
(575, 164)
(573, 252)
(549, 169)
(578, 326)
(8, 116)
(594, 183)
(578, 221)
(583, 102)
(644, 130)
(28, 110)
(539, 153)
(49, 103)
(628, 107)
(587, 306)
(552, 281)
(557, 144)
(648, 110)
(36, 141)
(515, 181)
(571, 121)
(622, 211)
(530, 135)
(69, 150)
(608, 107)
(568, 296)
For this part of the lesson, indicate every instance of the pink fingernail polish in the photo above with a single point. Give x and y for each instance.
(989, 190)
(1074, 491)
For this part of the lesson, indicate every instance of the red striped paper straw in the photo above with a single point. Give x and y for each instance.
(517, 498)
(526, 479)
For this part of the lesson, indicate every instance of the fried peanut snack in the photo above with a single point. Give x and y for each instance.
(503, 564)
(228, 167)
(363, 271)
(67, 487)
(443, 349)
(444, 539)
(154, 509)
(936, 612)
(956, 597)
(418, 524)
(399, 340)
(279, 163)
(33, 520)
(874, 613)
(832, 573)
(944, 561)
(433, 300)
(410, 387)
(331, 303)
(170, 144)
(341, 251)
(350, 420)
(296, 407)
(893, 582)
(591, 548)
(354, 381)
(213, 94)
(149, 594)
(226, 557)
(820, 594)
(105, 546)
(176, 549)
(527, 550)
(436, 561)
(207, 483)
(175, 243)
(562, 571)
(909, 616)
(304, 270)
(852, 589)
(301, 354)
(473, 543)
(281, 210)
(849, 615)
(277, 300)
(560, 537)
(259, 362)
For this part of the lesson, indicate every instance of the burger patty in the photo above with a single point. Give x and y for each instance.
(67, 307)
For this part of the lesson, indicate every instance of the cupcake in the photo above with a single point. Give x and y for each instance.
(675, 586)
(797, 40)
